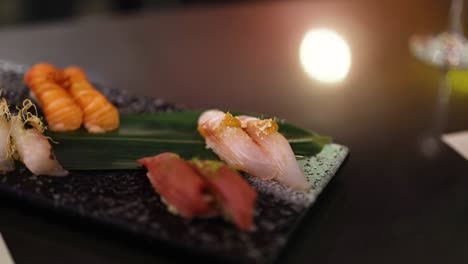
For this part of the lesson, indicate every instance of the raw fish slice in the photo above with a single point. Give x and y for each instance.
(235, 197)
(60, 110)
(265, 134)
(224, 135)
(41, 73)
(180, 186)
(6, 161)
(99, 114)
(32, 146)
(72, 75)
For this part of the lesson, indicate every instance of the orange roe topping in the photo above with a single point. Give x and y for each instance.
(267, 126)
(230, 120)
(201, 130)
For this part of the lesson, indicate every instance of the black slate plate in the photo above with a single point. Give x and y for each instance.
(126, 201)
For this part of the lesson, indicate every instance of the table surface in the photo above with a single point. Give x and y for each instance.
(397, 199)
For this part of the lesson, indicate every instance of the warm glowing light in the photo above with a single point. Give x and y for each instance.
(325, 55)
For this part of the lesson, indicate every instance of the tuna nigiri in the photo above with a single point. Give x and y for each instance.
(252, 145)
(33, 148)
(202, 188)
(180, 186)
(235, 197)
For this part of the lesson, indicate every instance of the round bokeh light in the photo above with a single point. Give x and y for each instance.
(325, 55)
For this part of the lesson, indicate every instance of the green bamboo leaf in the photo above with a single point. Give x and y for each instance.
(142, 135)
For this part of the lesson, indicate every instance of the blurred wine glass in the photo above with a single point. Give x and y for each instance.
(448, 51)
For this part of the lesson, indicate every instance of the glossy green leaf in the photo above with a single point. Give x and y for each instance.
(142, 135)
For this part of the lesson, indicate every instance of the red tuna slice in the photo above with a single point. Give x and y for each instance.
(234, 195)
(182, 189)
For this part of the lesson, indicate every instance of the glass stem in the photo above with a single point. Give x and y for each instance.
(456, 12)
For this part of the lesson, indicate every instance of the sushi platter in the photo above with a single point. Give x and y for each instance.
(220, 187)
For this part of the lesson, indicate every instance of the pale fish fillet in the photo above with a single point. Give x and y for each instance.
(265, 134)
(6, 162)
(34, 150)
(224, 135)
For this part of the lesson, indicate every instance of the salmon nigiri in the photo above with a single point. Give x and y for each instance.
(252, 145)
(61, 111)
(99, 114)
(39, 73)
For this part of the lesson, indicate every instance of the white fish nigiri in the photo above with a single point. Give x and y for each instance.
(6, 160)
(224, 135)
(32, 147)
(265, 134)
(252, 145)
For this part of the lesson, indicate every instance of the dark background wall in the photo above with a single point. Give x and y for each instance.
(32, 11)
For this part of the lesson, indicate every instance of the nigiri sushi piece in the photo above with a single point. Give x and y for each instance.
(179, 185)
(224, 135)
(61, 111)
(252, 145)
(40, 73)
(6, 160)
(32, 147)
(235, 197)
(72, 75)
(265, 134)
(100, 115)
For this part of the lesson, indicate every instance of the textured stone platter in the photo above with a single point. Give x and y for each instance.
(125, 200)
